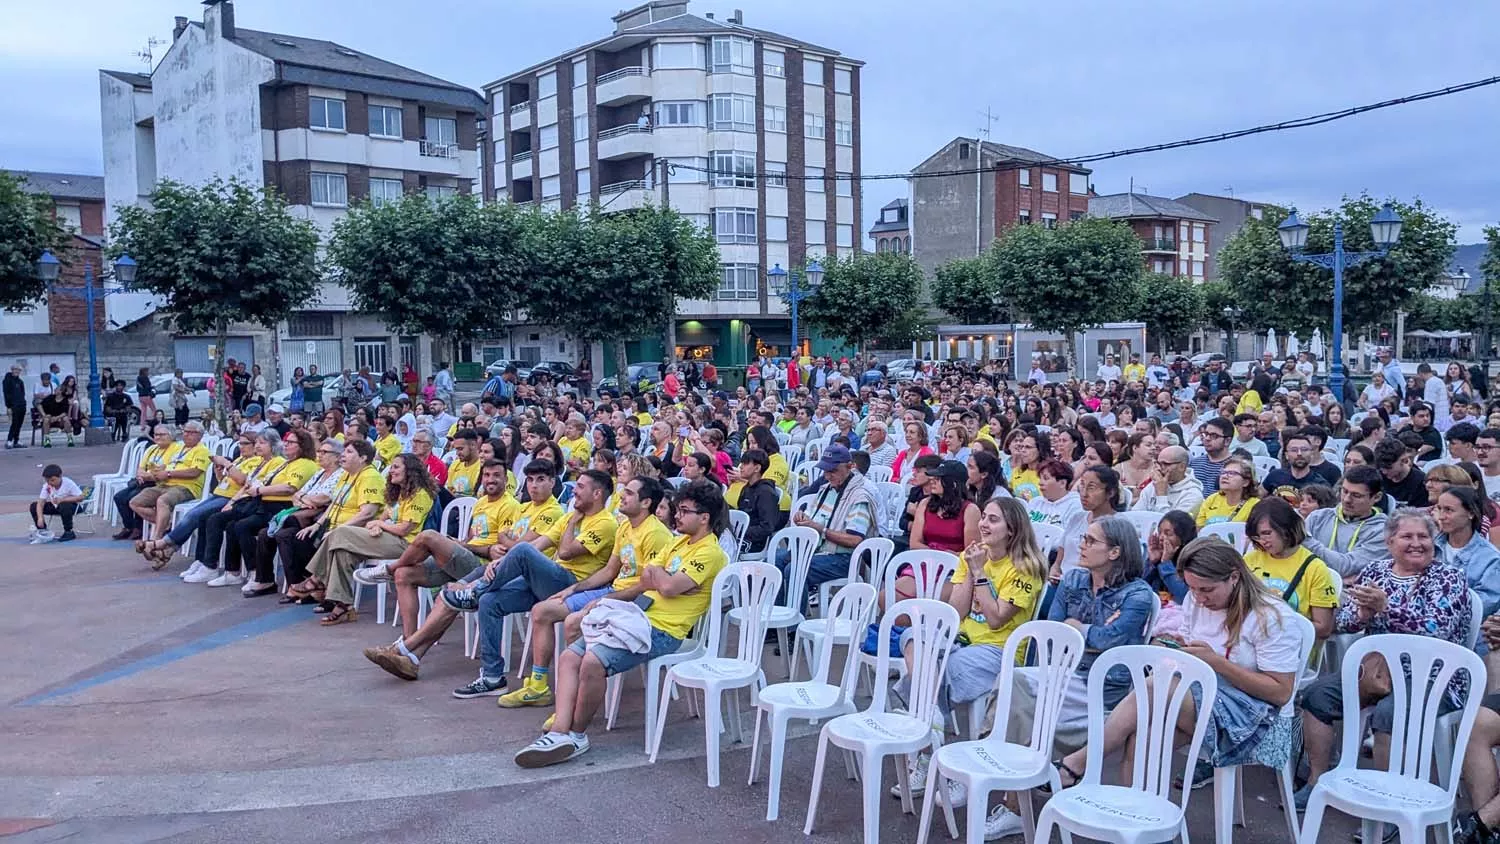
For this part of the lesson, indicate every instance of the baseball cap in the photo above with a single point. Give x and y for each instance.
(276, 408)
(252, 410)
(833, 457)
(950, 469)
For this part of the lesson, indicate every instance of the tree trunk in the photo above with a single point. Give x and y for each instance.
(622, 366)
(221, 389)
(669, 338)
(1070, 344)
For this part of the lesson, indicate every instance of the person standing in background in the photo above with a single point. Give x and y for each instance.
(257, 385)
(145, 393)
(411, 382)
(15, 404)
(443, 382)
(180, 393)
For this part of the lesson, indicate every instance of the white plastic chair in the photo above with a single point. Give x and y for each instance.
(792, 454)
(460, 508)
(874, 552)
(693, 647)
(1447, 726)
(814, 449)
(807, 472)
(1143, 810)
(1229, 798)
(800, 543)
(1336, 449)
(892, 498)
(730, 545)
(803, 505)
(879, 474)
(739, 522)
(107, 485)
(675, 483)
(817, 698)
(1231, 532)
(995, 764)
(1401, 795)
(1145, 522)
(752, 587)
(780, 436)
(875, 733)
(1265, 465)
(931, 569)
(1048, 537)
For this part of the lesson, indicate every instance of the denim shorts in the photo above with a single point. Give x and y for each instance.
(461, 563)
(579, 600)
(618, 661)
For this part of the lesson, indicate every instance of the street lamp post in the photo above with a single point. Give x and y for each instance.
(1232, 316)
(793, 287)
(48, 268)
(1385, 229)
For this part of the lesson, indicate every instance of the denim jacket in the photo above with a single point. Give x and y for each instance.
(1112, 617)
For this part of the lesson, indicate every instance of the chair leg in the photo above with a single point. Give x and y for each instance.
(380, 595)
(871, 790)
(778, 760)
(1312, 818)
(786, 652)
(755, 749)
(974, 816)
(1028, 816)
(924, 825)
(1224, 779)
(612, 690)
(1288, 801)
(817, 782)
(653, 703)
(653, 735)
(713, 710)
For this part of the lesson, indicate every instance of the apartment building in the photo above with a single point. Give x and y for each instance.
(78, 206)
(1230, 215)
(762, 131)
(1174, 235)
(326, 125)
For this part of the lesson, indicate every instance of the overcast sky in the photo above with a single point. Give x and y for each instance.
(1068, 77)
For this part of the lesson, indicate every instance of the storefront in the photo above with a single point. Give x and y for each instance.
(1025, 347)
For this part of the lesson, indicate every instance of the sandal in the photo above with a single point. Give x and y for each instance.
(309, 586)
(141, 545)
(340, 615)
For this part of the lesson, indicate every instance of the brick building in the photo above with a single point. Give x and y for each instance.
(78, 204)
(892, 230)
(1174, 235)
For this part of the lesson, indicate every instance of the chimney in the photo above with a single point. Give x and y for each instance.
(709, 15)
(738, 19)
(179, 27)
(218, 18)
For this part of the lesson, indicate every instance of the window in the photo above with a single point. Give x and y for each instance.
(500, 149)
(843, 235)
(733, 169)
(546, 85)
(843, 80)
(731, 112)
(585, 182)
(812, 71)
(734, 225)
(844, 184)
(679, 56)
(1183, 236)
(775, 118)
(691, 172)
(963, 152)
(438, 193)
(679, 114)
(1160, 266)
(441, 130)
(843, 133)
(330, 189)
(815, 180)
(1182, 266)
(1049, 220)
(1049, 182)
(703, 222)
(817, 233)
(1078, 183)
(1197, 269)
(551, 187)
(326, 113)
(580, 126)
(775, 62)
(776, 229)
(739, 281)
(1023, 177)
(1075, 215)
(580, 72)
(1199, 232)
(890, 215)
(548, 137)
(385, 121)
(385, 190)
(310, 324)
(1024, 218)
(733, 55)
(68, 216)
(775, 174)
(813, 126)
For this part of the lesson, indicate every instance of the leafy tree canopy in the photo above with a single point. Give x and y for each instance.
(965, 289)
(1170, 306)
(863, 295)
(28, 227)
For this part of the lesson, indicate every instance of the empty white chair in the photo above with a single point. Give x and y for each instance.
(872, 553)
(792, 454)
(995, 764)
(800, 543)
(814, 449)
(1335, 449)
(1144, 521)
(875, 733)
(1143, 810)
(869, 555)
(879, 474)
(807, 472)
(780, 436)
(752, 587)
(1231, 532)
(816, 698)
(106, 485)
(892, 498)
(1402, 794)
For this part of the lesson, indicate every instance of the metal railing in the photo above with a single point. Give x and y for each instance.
(620, 74)
(1162, 244)
(627, 129)
(433, 149)
(522, 106)
(621, 187)
(524, 155)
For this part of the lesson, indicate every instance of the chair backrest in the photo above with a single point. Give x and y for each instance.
(1144, 521)
(808, 471)
(780, 436)
(1047, 536)
(1152, 616)
(1057, 650)
(1155, 669)
(872, 552)
(1264, 465)
(1196, 450)
(1336, 448)
(1309, 635)
(751, 587)
(1416, 693)
(931, 569)
(125, 453)
(459, 512)
(803, 504)
(731, 545)
(792, 453)
(879, 474)
(854, 603)
(449, 457)
(892, 498)
(675, 483)
(739, 522)
(1231, 532)
(814, 449)
(1476, 617)
(800, 543)
(933, 626)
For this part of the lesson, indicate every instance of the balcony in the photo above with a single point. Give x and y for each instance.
(433, 149)
(623, 196)
(628, 141)
(520, 165)
(1161, 244)
(521, 106)
(622, 86)
(520, 116)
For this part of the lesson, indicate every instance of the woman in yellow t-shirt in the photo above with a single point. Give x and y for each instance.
(779, 472)
(1294, 573)
(1237, 494)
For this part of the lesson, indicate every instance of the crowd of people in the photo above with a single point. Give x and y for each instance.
(1378, 521)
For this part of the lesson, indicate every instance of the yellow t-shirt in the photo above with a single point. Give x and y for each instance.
(413, 508)
(635, 545)
(1025, 484)
(386, 449)
(1249, 403)
(732, 496)
(1134, 372)
(1316, 588)
(779, 474)
(1215, 510)
(702, 561)
(578, 449)
(1006, 584)
(296, 474)
(597, 535)
(156, 457)
(463, 478)
(368, 487)
(198, 457)
(492, 518)
(229, 487)
(539, 518)
(984, 434)
(644, 419)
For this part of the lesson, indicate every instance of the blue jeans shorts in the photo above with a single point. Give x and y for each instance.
(618, 661)
(579, 600)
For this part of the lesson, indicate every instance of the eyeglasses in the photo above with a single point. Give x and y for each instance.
(685, 512)
(1210, 435)
(1088, 541)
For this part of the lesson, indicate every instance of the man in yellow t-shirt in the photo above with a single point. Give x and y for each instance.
(179, 478)
(639, 537)
(463, 473)
(679, 586)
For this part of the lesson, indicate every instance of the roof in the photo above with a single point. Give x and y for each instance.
(1470, 258)
(1001, 153)
(62, 185)
(138, 80)
(1124, 206)
(899, 225)
(899, 202)
(331, 56)
(685, 24)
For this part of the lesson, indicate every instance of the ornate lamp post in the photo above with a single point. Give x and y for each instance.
(793, 287)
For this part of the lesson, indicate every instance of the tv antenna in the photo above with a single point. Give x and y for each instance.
(148, 55)
(989, 122)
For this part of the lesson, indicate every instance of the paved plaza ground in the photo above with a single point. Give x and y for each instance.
(136, 708)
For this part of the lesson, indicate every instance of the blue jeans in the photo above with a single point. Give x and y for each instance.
(194, 517)
(524, 577)
(825, 567)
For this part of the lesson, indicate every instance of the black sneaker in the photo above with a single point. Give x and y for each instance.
(481, 687)
(67, 536)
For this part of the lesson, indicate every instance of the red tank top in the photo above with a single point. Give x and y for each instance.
(944, 534)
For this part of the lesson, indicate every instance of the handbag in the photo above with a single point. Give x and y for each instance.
(1374, 679)
(872, 641)
(277, 519)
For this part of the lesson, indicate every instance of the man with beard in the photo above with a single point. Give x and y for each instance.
(1287, 482)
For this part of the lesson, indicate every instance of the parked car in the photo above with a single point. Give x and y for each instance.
(198, 402)
(333, 385)
(561, 372)
(523, 369)
(636, 372)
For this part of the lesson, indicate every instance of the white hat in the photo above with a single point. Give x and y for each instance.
(276, 408)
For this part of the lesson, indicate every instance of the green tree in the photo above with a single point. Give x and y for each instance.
(1216, 297)
(1429, 313)
(448, 268)
(1069, 278)
(965, 289)
(1170, 306)
(28, 227)
(219, 253)
(861, 296)
(1489, 270)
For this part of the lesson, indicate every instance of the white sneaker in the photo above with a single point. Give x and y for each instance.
(1001, 823)
(203, 575)
(916, 774)
(194, 569)
(371, 575)
(228, 578)
(40, 536)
